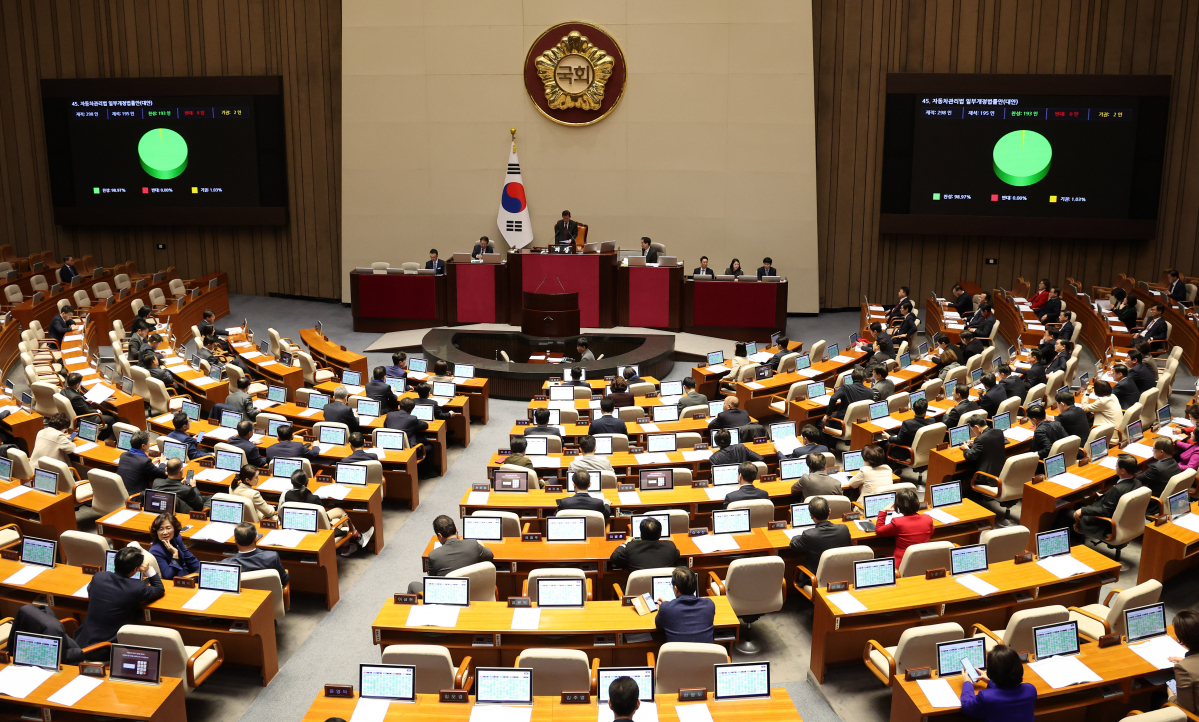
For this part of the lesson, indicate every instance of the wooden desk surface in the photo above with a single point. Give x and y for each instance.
(777, 708)
(635, 429)
(600, 385)
(1167, 550)
(322, 348)
(113, 698)
(140, 524)
(625, 459)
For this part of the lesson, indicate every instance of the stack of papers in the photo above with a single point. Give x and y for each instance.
(25, 575)
(976, 585)
(478, 498)
(809, 373)
(14, 492)
(499, 713)
(432, 615)
(1139, 449)
(693, 455)
(1190, 521)
(333, 491)
(19, 681)
(250, 354)
(222, 433)
(121, 517)
(98, 393)
(1070, 481)
(75, 690)
(846, 602)
(709, 543)
(1064, 671)
(821, 400)
(629, 497)
(1064, 566)
(546, 462)
(754, 385)
(792, 533)
(275, 483)
(1018, 434)
(203, 599)
(370, 710)
(261, 404)
(354, 390)
(842, 476)
(761, 357)
(525, 618)
(887, 422)
(219, 476)
(1157, 651)
(841, 359)
(670, 400)
(718, 369)
(717, 493)
(939, 693)
(650, 428)
(942, 516)
(655, 458)
(216, 531)
(309, 412)
(290, 538)
(785, 446)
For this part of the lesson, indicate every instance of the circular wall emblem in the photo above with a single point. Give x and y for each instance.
(575, 73)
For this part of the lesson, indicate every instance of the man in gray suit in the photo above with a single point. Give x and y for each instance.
(587, 460)
(241, 400)
(816, 482)
(454, 553)
(883, 387)
(690, 396)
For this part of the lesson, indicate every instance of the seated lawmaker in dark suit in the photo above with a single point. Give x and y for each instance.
(241, 440)
(651, 551)
(1141, 374)
(115, 599)
(288, 448)
(882, 387)
(168, 548)
(606, 423)
(1062, 349)
(403, 420)
(1052, 308)
(962, 302)
(1045, 431)
(1159, 471)
(68, 271)
(816, 482)
(880, 349)
(961, 397)
(986, 451)
(82, 407)
(1036, 371)
(583, 500)
(971, 346)
(814, 542)
(1155, 326)
(703, 269)
(485, 245)
(854, 389)
(434, 263)
(992, 396)
(187, 496)
(1072, 418)
(358, 450)
(907, 327)
(541, 417)
(985, 324)
(811, 442)
(767, 268)
(337, 410)
(32, 619)
(1012, 384)
(250, 558)
(423, 390)
(906, 436)
(733, 417)
(1125, 390)
(651, 255)
(687, 617)
(1086, 518)
(1177, 290)
(453, 554)
(728, 453)
(746, 473)
(61, 324)
(135, 467)
(378, 390)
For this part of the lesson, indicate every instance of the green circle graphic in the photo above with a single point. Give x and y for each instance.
(1022, 157)
(163, 153)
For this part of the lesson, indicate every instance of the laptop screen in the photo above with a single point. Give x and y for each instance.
(389, 440)
(715, 358)
(220, 577)
(158, 502)
(792, 469)
(535, 445)
(351, 474)
(917, 396)
(45, 481)
(1180, 504)
(947, 494)
(335, 435)
(123, 440)
(36, 650)
(784, 430)
(397, 385)
(879, 409)
(226, 512)
(851, 461)
(1053, 543)
(742, 681)
(192, 410)
(135, 664)
(555, 417)
(465, 371)
(368, 407)
(6, 469)
(424, 412)
(88, 431)
(1134, 431)
(803, 362)
(874, 503)
(1003, 421)
(949, 388)
(833, 350)
(672, 388)
(730, 521)
(1055, 465)
(387, 681)
(663, 522)
(959, 435)
(511, 481)
(228, 460)
(286, 467)
(447, 590)
(351, 378)
(715, 407)
(273, 426)
(566, 528)
(174, 450)
(816, 390)
(643, 676)
(725, 474)
(483, 528)
(661, 442)
(1098, 449)
(503, 685)
(419, 365)
(656, 479)
(968, 559)
(666, 413)
(317, 401)
(561, 591)
(230, 419)
(1163, 415)
(603, 445)
(1145, 622)
(871, 573)
(951, 654)
(1052, 640)
(562, 393)
(298, 519)
(663, 587)
(905, 360)
(443, 388)
(800, 516)
(38, 551)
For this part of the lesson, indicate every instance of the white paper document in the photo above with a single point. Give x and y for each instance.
(1190, 521)
(784, 446)
(650, 428)
(976, 585)
(178, 368)
(121, 517)
(478, 498)
(309, 412)
(370, 710)
(846, 602)
(939, 693)
(942, 516)
(716, 493)
(333, 491)
(1018, 434)
(19, 681)
(14, 492)
(1139, 449)
(432, 615)
(842, 359)
(275, 483)
(202, 599)
(98, 393)
(85, 447)
(1070, 481)
(1063, 567)
(219, 476)
(821, 400)
(1063, 671)
(25, 574)
(669, 400)
(290, 538)
(261, 404)
(81, 591)
(629, 497)
(500, 713)
(711, 543)
(74, 691)
(325, 448)
(655, 458)
(526, 618)
(647, 712)
(693, 455)
(250, 354)
(216, 531)
(887, 422)
(809, 373)
(792, 533)
(754, 385)
(221, 433)
(693, 712)
(1109, 462)
(1156, 651)
(718, 369)
(761, 357)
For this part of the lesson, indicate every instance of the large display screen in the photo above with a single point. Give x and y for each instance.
(166, 150)
(1023, 155)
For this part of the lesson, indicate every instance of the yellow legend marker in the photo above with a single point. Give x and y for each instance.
(1053, 199)
(197, 190)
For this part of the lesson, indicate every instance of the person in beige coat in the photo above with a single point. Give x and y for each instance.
(874, 473)
(243, 486)
(52, 442)
(1105, 407)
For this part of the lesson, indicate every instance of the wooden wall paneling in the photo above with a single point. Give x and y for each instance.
(297, 39)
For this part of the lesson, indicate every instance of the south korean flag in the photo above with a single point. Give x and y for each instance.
(513, 219)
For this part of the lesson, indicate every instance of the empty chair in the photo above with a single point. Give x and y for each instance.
(379, 267)
(482, 580)
(1005, 543)
(1096, 620)
(641, 388)
(313, 374)
(1128, 521)
(1183, 480)
(101, 290)
(121, 281)
(158, 299)
(917, 647)
(1009, 405)
(1131, 414)
(842, 429)
(1106, 431)
(898, 401)
(280, 343)
(510, 527)
(13, 295)
(1067, 445)
(108, 491)
(787, 363)
(683, 665)
(919, 558)
(1034, 393)
(556, 670)
(915, 457)
(236, 373)
(761, 511)
(177, 287)
(268, 580)
(191, 664)
(1018, 632)
(79, 548)
(754, 587)
(68, 479)
(630, 413)
(82, 301)
(434, 667)
(1165, 714)
(1017, 470)
(797, 389)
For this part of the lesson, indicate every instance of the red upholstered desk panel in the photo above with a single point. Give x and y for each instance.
(730, 303)
(578, 273)
(396, 296)
(476, 292)
(649, 297)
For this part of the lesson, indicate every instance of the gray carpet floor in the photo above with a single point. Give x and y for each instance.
(316, 646)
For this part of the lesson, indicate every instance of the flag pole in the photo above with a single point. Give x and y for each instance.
(513, 140)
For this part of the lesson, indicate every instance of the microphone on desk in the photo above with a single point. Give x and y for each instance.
(535, 290)
(559, 280)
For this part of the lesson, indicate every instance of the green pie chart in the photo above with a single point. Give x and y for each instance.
(163, 153)
(1022, 157)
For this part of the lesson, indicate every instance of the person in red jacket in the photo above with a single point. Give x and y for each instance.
(1041, 296)
(909, 528)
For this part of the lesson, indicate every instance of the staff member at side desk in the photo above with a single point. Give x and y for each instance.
(734, 269)
(116, 599)
(814, 542)
(583, 352)
(1186, 669)
(767, 268)
(651, 551)
(651, 255)
(703, 269)
(583, 500)
(1006, 696)
(435, 263)
(453, 554)
(687, 617)
(483, 246)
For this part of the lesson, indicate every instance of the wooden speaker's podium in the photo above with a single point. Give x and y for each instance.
(550, 314)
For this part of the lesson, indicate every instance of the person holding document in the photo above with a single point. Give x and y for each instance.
(1005, 696)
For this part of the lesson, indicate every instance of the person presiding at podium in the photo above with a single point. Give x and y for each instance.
(767, 268)
(565, 230)
(435, 263)
(651, 256)
(703, 269)
(481, 247)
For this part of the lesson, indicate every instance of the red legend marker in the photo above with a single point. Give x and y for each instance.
(147, 190)
(994, 196)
